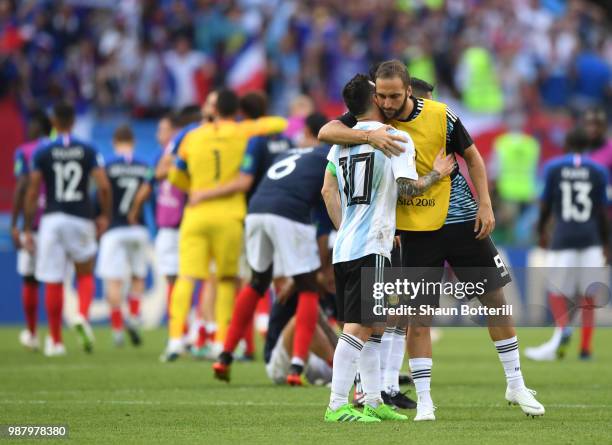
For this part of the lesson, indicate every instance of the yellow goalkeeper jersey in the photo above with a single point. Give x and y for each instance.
(211, 155)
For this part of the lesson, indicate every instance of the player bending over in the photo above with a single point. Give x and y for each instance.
(67, 232)
(123, 248)
(317, 369)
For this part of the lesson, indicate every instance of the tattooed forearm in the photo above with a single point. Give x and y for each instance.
(408, 188)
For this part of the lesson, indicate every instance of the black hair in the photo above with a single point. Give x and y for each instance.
(420, 87)
(314, 122)
(254, 104)
(357, 95)
(227, 103)
(39, 124)
(188, 115)
(576, 141)
(63, 115)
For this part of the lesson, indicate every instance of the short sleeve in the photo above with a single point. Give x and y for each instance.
(251, 156)
(20, 166)
(457, 137)
(348, 120)
(321, 220)
(404, 165)
(547, 190)
(36, 161)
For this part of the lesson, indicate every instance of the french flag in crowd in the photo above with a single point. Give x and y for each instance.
(247, 71)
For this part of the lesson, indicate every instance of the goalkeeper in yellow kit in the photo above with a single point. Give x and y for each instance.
(210, 155)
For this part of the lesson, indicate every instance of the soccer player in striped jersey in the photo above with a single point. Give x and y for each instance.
(360, 191)
(446, 223)
(39, 128)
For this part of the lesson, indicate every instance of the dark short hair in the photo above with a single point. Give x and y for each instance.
(188, 115)
(357, 94)
(314, 122)
(576, 141)
(227, 103)
(254, 104)
(391, 69)
(63, 115)
(39, 124)
(123, 133)
(420, 87)
(373, 69)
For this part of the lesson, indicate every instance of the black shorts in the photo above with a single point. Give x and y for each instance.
(473, 261)
(354, 298)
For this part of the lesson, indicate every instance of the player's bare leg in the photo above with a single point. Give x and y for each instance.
(85, 290)
(503, 334)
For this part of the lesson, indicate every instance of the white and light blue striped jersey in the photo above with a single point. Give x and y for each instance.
(368, 195)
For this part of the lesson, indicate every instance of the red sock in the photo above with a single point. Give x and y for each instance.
(54, 300)
(134, 305)
(249, 338)
(202, 337)
(305, 323)
(169, 296)
(86, 286)
(116, 319)
(244, 308)
(29, 294)
(558, 307)
(588, 322)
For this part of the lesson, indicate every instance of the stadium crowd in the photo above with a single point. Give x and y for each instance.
(156, 54)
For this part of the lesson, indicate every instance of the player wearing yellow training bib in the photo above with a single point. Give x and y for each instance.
(445, 223)
(209, 156)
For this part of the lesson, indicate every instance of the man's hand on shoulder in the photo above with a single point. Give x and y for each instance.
(385, 141)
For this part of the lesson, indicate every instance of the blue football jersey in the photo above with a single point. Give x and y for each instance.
(575, 187)
(259, 157)
(292, 185)
(126, 175)
(65, 164)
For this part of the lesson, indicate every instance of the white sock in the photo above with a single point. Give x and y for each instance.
(396, 358)
(555, 340)
(346, 359)
(509, 356)
(385, 353)
(421, 374)
(369, 370)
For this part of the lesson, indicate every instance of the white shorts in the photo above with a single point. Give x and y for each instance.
(316, 370)
(573, 270)
(26, 261)
(291, 245)
(123, 253)
(63, 238)
(166, 251)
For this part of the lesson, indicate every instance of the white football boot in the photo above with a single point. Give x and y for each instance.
(28, 340)
(53, 349)
(524, 397)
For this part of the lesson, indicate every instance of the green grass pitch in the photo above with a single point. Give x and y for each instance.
(128, 396)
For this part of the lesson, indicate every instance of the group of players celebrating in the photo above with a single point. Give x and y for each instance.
(228, 183)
